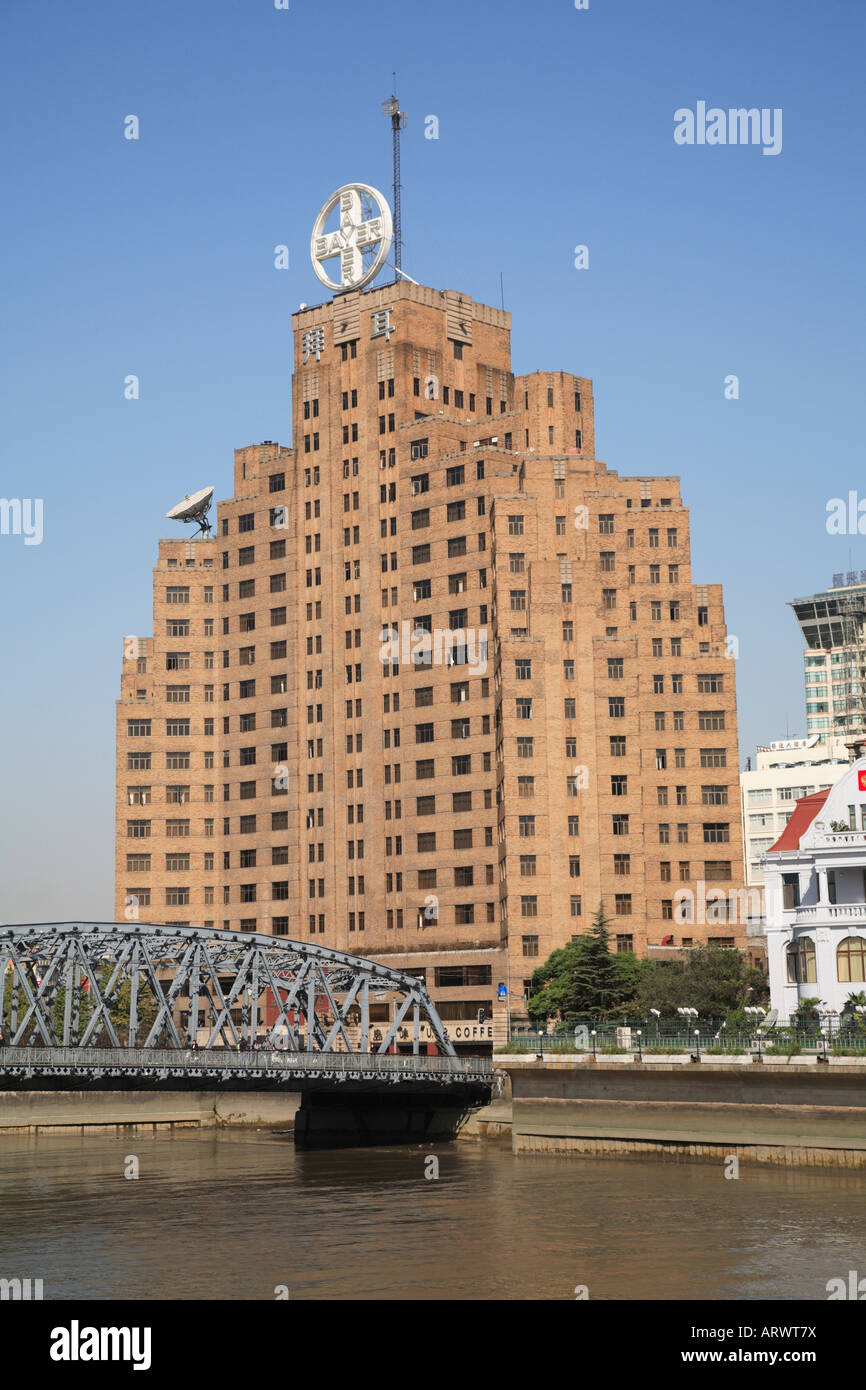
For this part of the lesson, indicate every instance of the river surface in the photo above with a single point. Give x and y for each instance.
(235, 1215)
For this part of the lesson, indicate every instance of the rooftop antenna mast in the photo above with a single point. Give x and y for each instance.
(391, 108)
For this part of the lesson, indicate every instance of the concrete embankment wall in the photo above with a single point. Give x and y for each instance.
(86, 1111)
(761, 1112)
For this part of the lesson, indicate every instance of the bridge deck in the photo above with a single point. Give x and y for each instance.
(124, 1067)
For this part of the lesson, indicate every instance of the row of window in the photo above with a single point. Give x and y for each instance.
(174, 761)
(177, 863)
(607, 527)
(173, 563)
(463, 875)
(247, 587)
(180, 829)
(607, 565)
(461, 802)
(179, 594)
(141, 728)
(461, 839)
(609, 604)
(179, 896)
(850, 960)
(708, 682)
(421, 518)
(180, 627)
(711, 720)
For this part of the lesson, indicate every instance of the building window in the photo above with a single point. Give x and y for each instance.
(851, 959)
(714, 795)
(716, 832)
(800, 959)
(717, 870)
(715, 757)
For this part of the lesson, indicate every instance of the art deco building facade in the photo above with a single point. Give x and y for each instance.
(440, 684)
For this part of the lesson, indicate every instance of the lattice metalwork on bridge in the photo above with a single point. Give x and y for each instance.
(116, 984)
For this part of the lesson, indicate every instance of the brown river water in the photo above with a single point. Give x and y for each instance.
(235, 1215)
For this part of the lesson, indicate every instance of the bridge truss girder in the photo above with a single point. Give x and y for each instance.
(320, 997)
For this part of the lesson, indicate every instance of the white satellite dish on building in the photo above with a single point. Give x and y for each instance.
(194, 507)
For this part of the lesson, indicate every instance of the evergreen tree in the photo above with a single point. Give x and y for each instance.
(584, 977)
(595, 981)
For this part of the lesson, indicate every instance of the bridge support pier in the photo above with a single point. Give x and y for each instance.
(353, 1120)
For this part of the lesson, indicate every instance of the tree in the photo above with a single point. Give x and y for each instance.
(851, 1016)
(807, 1015)
(146, 1008)
(58, 1007)
(715, 980)
(119, 1012)
(595, 980)
(584, 977)
(551, 982)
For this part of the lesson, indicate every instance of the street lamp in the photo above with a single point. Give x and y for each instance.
(656, 1016)
(697, 1053)
(755, 1013)
(592, 1035)
(639, 1047)
(687, 1013)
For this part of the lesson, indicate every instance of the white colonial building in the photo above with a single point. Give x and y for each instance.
(815, 898)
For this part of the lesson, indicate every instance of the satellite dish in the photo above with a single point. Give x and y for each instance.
(194, 507)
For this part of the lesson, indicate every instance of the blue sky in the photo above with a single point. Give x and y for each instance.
(156, 257)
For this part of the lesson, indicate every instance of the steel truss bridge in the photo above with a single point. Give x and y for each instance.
(92, 999)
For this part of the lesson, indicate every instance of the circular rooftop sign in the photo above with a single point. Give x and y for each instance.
(361, 242)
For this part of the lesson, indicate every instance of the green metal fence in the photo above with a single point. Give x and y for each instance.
(604, 1040)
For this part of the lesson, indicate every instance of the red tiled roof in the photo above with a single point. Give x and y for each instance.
(805, 812)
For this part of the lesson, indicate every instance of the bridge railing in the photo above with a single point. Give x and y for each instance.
(255, 1061)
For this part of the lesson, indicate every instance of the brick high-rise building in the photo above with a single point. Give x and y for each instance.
(293, 757)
